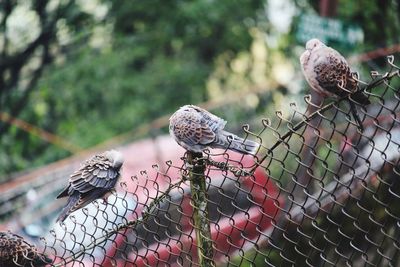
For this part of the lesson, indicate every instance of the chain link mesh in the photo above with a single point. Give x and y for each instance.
(319, 193)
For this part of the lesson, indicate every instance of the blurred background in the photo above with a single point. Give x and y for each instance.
(87, 71)
(74, 74)
(81, 75)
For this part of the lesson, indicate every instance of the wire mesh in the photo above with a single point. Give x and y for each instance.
(320, 192)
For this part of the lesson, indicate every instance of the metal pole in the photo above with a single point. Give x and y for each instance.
(200, 208)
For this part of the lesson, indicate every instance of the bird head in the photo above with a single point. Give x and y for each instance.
(115, 157)
(313, 44)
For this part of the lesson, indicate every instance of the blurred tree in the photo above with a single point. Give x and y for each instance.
(28, 43)
(25, 51)
(209, 27)
(115, 65)
(88, 70)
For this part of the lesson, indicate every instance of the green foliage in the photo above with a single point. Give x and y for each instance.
(151, 57)
(209, 27)
(101, 92)
(379, 20)
(156, 57)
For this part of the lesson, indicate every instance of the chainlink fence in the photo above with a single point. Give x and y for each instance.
(320, 192)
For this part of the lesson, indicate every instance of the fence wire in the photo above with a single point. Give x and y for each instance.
(320, 192)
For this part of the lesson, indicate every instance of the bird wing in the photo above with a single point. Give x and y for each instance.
(215, 123)
(86, 198)
(210, 125)
(193, 126)
(16, 251)
(97, 172)
(91, 181)
(332, 70)
(189, 129)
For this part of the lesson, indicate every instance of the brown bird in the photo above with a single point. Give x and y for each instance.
(15, 251)
(195, 129)
(328, 72)
(95, 179)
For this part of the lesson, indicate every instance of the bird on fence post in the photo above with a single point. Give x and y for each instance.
(15, 251)
(196, 129)
(328, 73)
(96, 178)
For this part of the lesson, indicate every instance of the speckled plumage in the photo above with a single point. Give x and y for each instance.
(328, 72)
(15, 251)
(95, 178)
(196, 129)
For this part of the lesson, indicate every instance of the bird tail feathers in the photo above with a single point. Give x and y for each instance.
(236, 143)
(67, 209)
(64, 193)
(360, 98)
(354, 112)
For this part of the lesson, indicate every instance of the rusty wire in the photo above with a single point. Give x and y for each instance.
(319, 193)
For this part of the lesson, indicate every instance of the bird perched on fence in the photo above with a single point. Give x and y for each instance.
(95, 179)
(15, 251)
(195, 129)
(328, 72)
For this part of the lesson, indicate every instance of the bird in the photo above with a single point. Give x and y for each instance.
(95, 178)
(15, 251)
(327, 72)
(196, 129)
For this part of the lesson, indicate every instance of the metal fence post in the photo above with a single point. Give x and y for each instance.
(200, 208)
